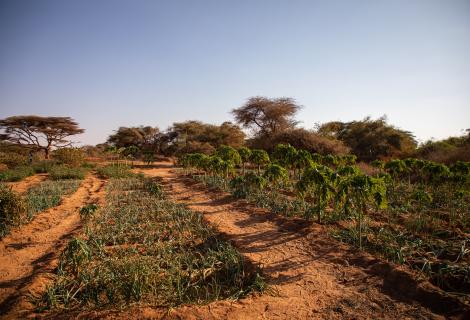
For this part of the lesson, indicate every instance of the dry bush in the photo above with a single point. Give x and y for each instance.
(13, 159)
(300, 139)
(12, 208)
(70, 156)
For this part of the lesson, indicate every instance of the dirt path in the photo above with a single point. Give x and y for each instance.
(28, 182)
(315, 276)
(30, 252)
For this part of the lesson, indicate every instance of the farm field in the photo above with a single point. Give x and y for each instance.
(235, 160)
(120, 222)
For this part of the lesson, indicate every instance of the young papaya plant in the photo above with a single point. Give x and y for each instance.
(348, 170)
(356, 192)
(285, 155)
(317, 158)
(255, 182)
(435, 172)
(238, 187)
(260, 158)
(302, 161)
(228, 153)
(245, 155)
(347, 160)
(316, 182)
(379, 165)
(216, 165)
(395, 168)
(276, 174)
(330, 160)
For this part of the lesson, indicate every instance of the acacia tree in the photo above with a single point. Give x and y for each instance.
(267, 116)
(43, 133)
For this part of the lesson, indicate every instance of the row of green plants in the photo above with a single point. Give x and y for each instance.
(409, 211)
(67, 163)
(55, 170)
(143, 248)
(116, 170)
(16, 209)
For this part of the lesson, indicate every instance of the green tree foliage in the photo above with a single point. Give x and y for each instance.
(146, 138)
(195, 136)
(371, 139)
(300, 138)
(447, 150)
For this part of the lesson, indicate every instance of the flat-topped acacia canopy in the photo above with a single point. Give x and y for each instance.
(43, 133)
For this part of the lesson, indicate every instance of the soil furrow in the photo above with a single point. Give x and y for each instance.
(23, 185)
(29, 254)
(314, 276)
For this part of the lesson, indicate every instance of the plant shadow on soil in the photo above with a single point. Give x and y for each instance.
(40, 267)
(399, 285)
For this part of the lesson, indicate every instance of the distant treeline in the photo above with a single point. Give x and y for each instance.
(269, 122)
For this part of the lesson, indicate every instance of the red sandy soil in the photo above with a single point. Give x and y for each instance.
(29, 254)
(26, 183)
(313, 275)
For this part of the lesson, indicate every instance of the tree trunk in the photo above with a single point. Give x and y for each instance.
(47, 152)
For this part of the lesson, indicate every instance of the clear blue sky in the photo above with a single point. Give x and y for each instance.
(111, 63)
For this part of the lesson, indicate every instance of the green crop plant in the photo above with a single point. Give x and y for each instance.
(115, 171)
(16, 174)
(12, 209)
(285, 155)
(260, 158)
(148, 250)
(421, 199)
(76, 254)
(87, 211)
(347, 160)
(395, 168)
(228, 153)
(348, 170)
(63, 172)
(356, 192)
(330, 160)
(303, 160)
(276, 174)
(317, 184)
(317, 158)
(48, 194)
(245, 156)
(73, 157)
